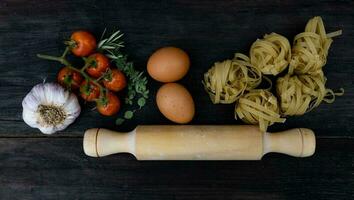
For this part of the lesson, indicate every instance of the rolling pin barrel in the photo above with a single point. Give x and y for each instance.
(199, 142)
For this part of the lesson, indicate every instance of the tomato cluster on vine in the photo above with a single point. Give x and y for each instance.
(97, 81)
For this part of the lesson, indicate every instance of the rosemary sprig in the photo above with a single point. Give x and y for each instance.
(137, 91)
(113, 42)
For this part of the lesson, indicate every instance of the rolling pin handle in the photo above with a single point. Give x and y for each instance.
(299, 142)
(89, 142)
(102, 142)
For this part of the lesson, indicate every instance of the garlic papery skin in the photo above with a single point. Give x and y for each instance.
(50, 108)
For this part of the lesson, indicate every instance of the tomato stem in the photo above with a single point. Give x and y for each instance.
(65, 62)
(88, 62)
(65, 52)
(70, 44)
(103, 75)
(54, 58)
(84, 68)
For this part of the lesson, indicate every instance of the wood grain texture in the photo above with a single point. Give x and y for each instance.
(209, 31)
(34, 166)
(62, 171)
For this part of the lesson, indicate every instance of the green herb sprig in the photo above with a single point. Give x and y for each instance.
(137, 93)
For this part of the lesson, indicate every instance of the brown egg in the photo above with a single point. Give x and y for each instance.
(175, 103)
(168, 64)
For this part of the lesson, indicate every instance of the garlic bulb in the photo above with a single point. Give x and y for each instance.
(50, 108)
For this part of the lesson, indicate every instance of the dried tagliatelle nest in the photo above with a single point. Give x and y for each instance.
(298, 92)
(310, 49)
(258, 107)
(226, 81)
(271, 54)
(301, 93)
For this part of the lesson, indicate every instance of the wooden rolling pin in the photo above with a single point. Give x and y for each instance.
(199, 142)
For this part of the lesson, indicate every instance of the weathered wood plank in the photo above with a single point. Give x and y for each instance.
(208, 31)
(337, 117)
(56, 168)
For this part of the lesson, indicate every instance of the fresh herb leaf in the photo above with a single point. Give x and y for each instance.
(128, 101)
(137, 81)
(111, 43)
(120, 121)
(141, 102)
(128, 114)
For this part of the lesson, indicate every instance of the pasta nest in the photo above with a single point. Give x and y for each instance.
(310, 48)
(301, 93)
(271, 54)
(259, 106)
(226, 81)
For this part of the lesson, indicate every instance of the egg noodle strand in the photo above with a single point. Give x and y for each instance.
(271, 54)
(304, 91)
(299, 91)
(259, 107)
(226, 81)
(310, 48)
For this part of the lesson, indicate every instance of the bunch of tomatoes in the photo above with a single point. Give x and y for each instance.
(96, 81)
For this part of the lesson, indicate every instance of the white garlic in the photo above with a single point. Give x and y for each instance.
(50, 108)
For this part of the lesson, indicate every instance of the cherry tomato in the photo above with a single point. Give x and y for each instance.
(100, 64)
(109, 106)
(82, 43)
(115, 80)
(69, 78)
(89, 92)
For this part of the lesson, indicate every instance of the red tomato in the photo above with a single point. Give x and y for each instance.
(99, 65)
(89, 92)
(82, 43)
(69, 78)
(115, 81)
(109, 106)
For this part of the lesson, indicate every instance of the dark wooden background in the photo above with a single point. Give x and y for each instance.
(36, 166)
